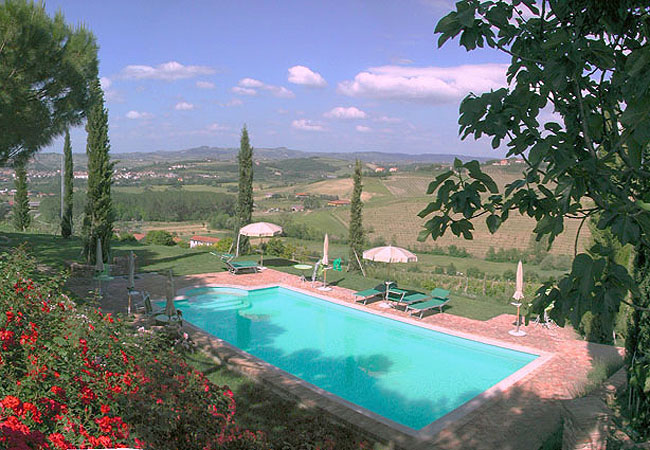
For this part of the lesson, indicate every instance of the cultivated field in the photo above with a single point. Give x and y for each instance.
(390, 212)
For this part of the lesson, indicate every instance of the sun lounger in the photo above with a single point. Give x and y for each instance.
(367, 294)
(439, 298)
(223, 256)
(236, 267)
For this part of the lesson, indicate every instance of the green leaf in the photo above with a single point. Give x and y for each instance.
(493, 221)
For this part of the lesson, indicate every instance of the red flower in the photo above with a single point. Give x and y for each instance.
(10, 402)
(105, 409)
(57, 390)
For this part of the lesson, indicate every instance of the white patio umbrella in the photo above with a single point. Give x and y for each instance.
(389, 254)
(326, 246)
(170, 308)
(324, 262)
(518, 296)
(260, 230)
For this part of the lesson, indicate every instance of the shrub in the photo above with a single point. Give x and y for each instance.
(458, 252)
(224, 245)
(73, 377)
(451, 269)
(127, 237)
(160, 237)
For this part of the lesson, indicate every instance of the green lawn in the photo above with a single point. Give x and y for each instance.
(286, 424)
(54, 251)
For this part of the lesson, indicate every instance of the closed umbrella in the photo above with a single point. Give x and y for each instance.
(99, 257)
(326, 247)
(260, 230)
(131, 271)
(389, 254)
(518, 296)
(170, 308)
(324, 262)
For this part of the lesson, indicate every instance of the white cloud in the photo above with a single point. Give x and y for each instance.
(387, 119)
(307, 125)
(136, 115)
(280, 91)
(183, 106)
(215, 127)
(205, 85)
(243, 91)
(250, 83)
(105, 83)
(305, 76)
(363, 129)
(341, 112)
(424, 84)
(251, 86)
(168, 71)
(110, 94)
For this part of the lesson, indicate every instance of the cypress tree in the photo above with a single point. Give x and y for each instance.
(356, 236)
(22, 219)
(98, 218)
(245, 197)
(68, 177)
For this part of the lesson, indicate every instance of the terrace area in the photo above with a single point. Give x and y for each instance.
(524, 413)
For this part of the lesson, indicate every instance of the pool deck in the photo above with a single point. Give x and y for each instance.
(518, 414)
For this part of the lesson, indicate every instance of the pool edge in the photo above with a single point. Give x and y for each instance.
(301, 389)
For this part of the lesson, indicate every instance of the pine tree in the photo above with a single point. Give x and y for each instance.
(98, 218)
(22, 219)
(245, 197)
(356, 235)
(68, 179)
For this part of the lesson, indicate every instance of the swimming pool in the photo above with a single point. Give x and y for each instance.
(408, 374)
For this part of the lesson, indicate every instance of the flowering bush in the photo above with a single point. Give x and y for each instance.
(73, 377)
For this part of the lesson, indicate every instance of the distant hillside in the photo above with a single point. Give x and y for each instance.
(49, 161)
(280, 153)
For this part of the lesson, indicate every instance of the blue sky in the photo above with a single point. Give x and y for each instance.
(317, 76)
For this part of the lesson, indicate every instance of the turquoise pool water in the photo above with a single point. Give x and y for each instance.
(406, 373)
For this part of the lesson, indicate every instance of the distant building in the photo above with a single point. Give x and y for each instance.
(380, 169)
(302, 195)
(197, 241)
(297, 208)
(392, 169)
(139, 236)
(338, 202)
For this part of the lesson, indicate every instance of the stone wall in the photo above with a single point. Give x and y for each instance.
(588, 420)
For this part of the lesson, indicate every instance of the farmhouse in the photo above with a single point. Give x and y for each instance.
(196, 241)
(302, 195)
(297, 208)
(380, 169)
(139, 236)
(338, 202)
(392, 169)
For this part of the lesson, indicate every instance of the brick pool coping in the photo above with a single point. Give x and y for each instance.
(519, 416)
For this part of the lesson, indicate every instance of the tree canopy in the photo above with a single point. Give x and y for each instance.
(576, 109)
(46, 70)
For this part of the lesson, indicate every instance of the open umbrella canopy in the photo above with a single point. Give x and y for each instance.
(390, 254)
(260, 229)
